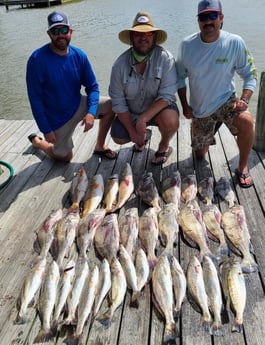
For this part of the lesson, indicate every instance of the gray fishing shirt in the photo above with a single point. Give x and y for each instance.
(133, 92)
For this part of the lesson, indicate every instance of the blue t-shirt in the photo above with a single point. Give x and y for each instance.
(54, 86)
(210, 68)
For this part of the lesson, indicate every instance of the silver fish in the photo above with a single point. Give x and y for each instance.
(117, 291)
(46, 303)
(189, 188)
(168, 227)
(130, 273)
(148, 191)
(171, 189)
(126, 186)
(206, 190)
(128, 221)
(111, 193)
(104, 284)
(236, 230)
(234, 287)
(94, 194)
(213, 291)
(81, 273)
(163, 297)
(64, 287)
(224, 190)
(78, 189)
(148, 234)
(212, 219)
(86, 230)
(196, 289)
(142, 271)
(45, 233)
(193, 227)
(29, 289)
(179, 284)
(107, 237)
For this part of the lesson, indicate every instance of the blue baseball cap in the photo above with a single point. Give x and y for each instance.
(57, 18)
(209, 5)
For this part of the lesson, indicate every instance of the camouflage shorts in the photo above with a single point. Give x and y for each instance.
(204, 129)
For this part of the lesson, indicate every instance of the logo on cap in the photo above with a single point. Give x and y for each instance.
(57, 18)
(142, 19)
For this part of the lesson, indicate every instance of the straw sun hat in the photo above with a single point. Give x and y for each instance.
(142, 23)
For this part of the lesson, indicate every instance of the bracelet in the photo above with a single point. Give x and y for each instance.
(246, 100)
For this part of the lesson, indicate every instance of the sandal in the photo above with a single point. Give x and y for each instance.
(32, 136)
(148, 135)
(108, 153)
(242, 177)
(163, 155)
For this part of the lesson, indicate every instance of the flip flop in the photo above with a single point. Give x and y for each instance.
(147, 138)
(106, 154)
(243, 176)
(32, 136)
(163, 155)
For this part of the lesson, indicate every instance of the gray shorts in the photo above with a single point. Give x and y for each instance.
(119, 131)
(64, 141)
(204, 129)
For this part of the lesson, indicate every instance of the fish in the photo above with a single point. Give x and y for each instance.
(193, 227)
(107, 237)
(213, 291)
(117, 292)
(224, 190)
(147, 190)
(46, 303)
(45, 233)
(126, 186)
(78, 189)
(148, 234)
(196, 289)
(128, 222)
(171, 189)
(168, 227)
(86, 230)
(212, 216)
(236, 230)
(81, 273)
(179, 285)
(104, 285)
(94, 194)
(64, 287)
(30, 286)
(234, 287)
(111, 193)
(189, 188)
(163, 297)
(142, 272)
(65, 234)
(130, 273)
(206, 190)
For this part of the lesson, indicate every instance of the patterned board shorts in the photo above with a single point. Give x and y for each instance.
(204, 129)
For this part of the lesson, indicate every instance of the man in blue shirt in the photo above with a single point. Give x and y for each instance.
(56, 72)
(209, 59)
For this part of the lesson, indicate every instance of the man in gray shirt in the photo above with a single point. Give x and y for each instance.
(143, 88)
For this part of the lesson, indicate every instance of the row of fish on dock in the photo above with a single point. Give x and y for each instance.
(127, 245)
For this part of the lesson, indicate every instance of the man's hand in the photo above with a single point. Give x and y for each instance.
(88, 122)
(187, 112)
(240, 105)
(50, 137)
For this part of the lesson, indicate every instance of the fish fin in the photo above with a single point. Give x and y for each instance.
(134, 303)
(20, 319)
(72, 340)
(237, 327)
(105, 319)
(170, 334)
(43, 336)
(249, 266)
(216, 329)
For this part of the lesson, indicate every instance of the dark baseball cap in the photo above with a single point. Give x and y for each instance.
(209, 5)
(57, 18)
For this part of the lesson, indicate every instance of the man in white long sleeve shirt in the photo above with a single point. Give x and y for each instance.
(210, 59)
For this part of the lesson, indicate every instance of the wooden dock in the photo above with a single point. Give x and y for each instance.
(41, 184)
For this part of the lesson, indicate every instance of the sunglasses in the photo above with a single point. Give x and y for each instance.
(140, 34)
(203, 17)
(57, 31)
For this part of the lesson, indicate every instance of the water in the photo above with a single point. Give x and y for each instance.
(96, 26)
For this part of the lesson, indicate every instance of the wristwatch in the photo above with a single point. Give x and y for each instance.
(246, 100)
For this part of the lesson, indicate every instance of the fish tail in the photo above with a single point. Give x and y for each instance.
(20, 319)
(248, 265)
(237, 327)
(43, 336)
(223, 250)
(216, 329)
(134, 303)
(176, 313)
(73, 207)
(72, 340)
(206, 324)
(105, 319)
(152, 260)
(170, 334)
